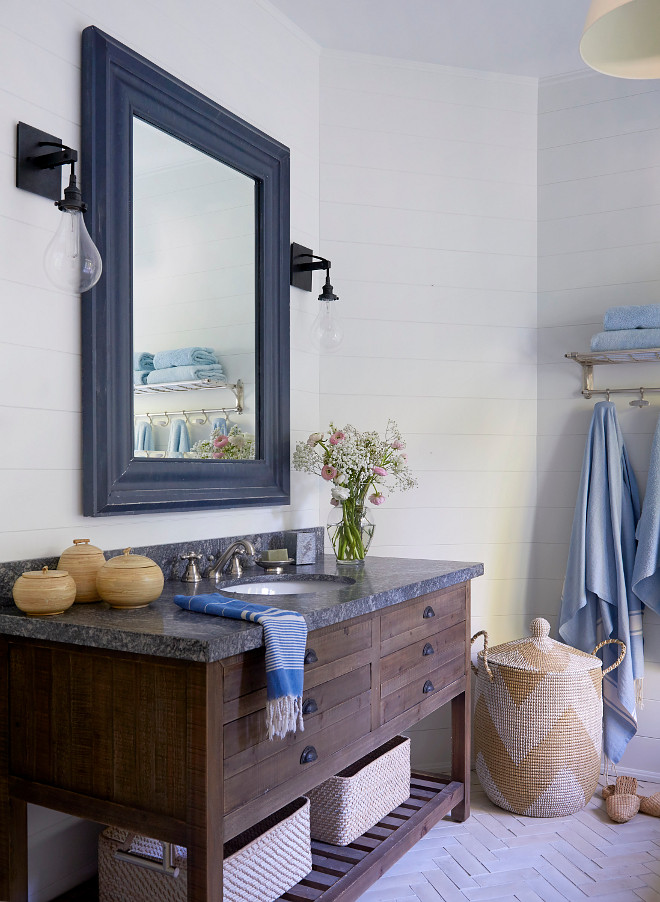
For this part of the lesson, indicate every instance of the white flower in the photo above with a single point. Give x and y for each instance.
(339, 493)
(237, 440)
(314, 439)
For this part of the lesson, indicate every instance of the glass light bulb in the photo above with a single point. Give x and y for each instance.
(327, 331)
(72, 261)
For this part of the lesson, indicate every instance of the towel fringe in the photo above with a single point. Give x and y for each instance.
(639, 694)
(284, 715)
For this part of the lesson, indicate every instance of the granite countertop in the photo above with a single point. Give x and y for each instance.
(166, 630)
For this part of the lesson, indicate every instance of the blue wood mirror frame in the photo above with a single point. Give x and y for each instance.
(117, 85)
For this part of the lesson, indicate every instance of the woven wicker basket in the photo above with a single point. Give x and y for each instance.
(538, 723)
(346, 805)
(259, 865)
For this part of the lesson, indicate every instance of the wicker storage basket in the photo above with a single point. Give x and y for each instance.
(345, 806)
(259, 865)
(538, 723)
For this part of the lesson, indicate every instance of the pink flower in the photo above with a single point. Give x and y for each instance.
(380, 471)
(397, 445)
(404, 456)
(218, 454)
(220, 442)
(328, 472)
(337, 437)
(376, 498)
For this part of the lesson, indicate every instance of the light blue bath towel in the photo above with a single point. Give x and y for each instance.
(144, 437)
(179, 439)
(646, 575)
(645, 316)
(184, 357)
(186, 374)
(626, 340)
(140, 376)
(221, 424)
(597, 600)
(142, 360)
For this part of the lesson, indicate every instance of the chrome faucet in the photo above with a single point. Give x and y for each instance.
(241, 546)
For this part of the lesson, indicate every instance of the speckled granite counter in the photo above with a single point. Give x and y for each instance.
(163, 629)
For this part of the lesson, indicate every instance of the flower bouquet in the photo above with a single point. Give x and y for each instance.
(237, 445)
(355, 464)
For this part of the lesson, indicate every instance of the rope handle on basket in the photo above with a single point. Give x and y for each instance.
(484, 653)
(621, 656)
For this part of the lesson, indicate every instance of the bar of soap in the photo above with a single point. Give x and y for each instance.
(275, 554)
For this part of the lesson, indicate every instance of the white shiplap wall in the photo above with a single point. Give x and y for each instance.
(248, 58)
(428, 214)
(599, 246)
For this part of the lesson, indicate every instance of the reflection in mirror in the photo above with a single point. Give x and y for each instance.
(194, 302)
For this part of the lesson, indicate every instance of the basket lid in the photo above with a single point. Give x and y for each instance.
(81, 548)
(45, 573)
(541, 654)
(128, 561)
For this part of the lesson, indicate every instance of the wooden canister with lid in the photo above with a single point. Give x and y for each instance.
(129, 581)
(40, 593)
(83, 562)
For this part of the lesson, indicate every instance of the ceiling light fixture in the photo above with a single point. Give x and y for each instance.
(327, 331)
(622, 38)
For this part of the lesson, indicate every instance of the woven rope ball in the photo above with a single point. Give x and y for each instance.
(538, 723)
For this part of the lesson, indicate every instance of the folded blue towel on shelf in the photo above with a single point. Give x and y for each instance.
(142, 360)
(144, 437)
(645, 316)
(179, 439)
(186, 374)
(184, 357)
(646, 573)
(626, 340)
(285, 638)
(140, 376)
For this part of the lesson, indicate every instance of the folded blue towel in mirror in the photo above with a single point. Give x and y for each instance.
(144, 437)
(142, 360)
(140, 376)
(179, 440)
(626, 340)
(186, 374)
(645, 316)
(184, 357)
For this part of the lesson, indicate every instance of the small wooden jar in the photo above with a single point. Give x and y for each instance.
(43, 592)
(83, 562)
(129, 581)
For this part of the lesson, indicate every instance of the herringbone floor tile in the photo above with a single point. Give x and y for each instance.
(497, 855)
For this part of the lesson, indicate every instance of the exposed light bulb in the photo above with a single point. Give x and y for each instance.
(327, 331)
(72, 261)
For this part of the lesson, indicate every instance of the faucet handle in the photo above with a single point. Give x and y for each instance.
(191, 574)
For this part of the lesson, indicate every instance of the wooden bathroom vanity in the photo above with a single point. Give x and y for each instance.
(153, 720)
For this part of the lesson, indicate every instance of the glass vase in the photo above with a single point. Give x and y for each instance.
(351, 530)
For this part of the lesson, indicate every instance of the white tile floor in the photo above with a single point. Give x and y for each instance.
(497, 855)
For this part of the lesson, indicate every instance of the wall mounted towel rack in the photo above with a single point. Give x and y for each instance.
(197, 385)
(589, 359)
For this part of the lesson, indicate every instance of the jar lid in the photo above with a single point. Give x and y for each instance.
(128, 561)
(45, 573)
(540, 653)
(82, 547)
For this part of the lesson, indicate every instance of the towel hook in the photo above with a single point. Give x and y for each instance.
(641, 402)
(607, 393)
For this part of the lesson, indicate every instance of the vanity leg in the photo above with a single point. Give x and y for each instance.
(13, 812)
(461, 728)
(205, 783)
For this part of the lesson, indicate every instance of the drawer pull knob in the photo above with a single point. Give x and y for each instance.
(310, 656)
(310, 706)
(428, 649)
(309, 754)
(428, 612)
(428, 687)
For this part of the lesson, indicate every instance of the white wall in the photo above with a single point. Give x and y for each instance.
(251, 60)
(428, 214)
(599, 246)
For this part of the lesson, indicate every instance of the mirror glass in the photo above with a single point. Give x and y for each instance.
(194, 302)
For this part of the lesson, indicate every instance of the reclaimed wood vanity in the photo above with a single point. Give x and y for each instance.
(153, 720)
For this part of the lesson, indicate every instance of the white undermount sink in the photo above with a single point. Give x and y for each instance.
(287, 586)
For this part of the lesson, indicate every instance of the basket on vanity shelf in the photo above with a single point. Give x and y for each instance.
(345, 806)
(259, 864)
(538, 723)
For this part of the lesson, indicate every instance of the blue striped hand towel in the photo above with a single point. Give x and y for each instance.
(285, 638)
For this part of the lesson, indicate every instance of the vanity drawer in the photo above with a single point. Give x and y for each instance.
(246, 739)
(291, 762)
(421, 617)
(415, 661)
(430, 689)
(328, 653)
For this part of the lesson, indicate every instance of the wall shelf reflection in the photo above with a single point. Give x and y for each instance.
(197, 385)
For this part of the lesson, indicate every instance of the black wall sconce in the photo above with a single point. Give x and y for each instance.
(327, 331)
(72, 261)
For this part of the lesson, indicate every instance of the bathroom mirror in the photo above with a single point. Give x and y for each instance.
(189, 207)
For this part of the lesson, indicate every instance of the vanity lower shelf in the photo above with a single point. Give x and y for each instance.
(343, 873)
